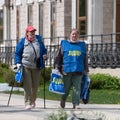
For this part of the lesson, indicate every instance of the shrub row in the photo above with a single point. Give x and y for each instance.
(104, 81)
(98, 81)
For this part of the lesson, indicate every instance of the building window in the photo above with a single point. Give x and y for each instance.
(41, 19)
(1, 25)
(53, 19)
(30, 14)
(82, 16)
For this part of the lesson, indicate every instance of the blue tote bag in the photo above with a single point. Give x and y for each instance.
(56, 82)
(85, 89)
(18, 75)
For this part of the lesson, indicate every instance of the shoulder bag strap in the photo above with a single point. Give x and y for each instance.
(34, 51)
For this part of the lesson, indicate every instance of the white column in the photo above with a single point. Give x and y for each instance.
(30, 1)
(7, 20)
(98, 17)
(74, 14)
(18, 2)
(2, 2)
(47, 21)
(95, 18)
(5, 23)
(40, 0)
(90, 18)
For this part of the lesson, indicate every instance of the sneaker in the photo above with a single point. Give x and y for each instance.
(76, 107)
(28, 107)
(62, 104)
(33, 105)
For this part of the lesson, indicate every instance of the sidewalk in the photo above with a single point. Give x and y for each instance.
(16, 111)
(112, 72)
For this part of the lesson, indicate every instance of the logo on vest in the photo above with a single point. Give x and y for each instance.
(74, 53)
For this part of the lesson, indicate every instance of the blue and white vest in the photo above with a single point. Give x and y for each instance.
(73, 56)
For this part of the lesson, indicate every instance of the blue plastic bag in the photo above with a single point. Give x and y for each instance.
(85, 88)
(18, 75)
(56, 82)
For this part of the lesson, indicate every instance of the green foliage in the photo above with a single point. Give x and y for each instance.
(98, 81)
(99, 85)
(6, 74)
(104, 96)
(4, 65)
(99, 96)
(45, 74)
(61, 115)
(104, 81)
(49, 95)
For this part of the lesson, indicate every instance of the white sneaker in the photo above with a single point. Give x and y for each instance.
(33, 105)
(28, 107)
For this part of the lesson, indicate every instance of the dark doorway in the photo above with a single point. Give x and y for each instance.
(118, 19)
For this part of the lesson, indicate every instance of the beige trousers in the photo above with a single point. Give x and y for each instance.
(31, 78)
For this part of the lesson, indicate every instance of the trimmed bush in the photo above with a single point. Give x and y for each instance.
(6, 74)
(104, 81)
(98, 81)
(45, 75)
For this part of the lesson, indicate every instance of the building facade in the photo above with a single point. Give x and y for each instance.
(56, 18)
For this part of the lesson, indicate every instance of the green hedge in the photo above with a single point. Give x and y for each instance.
(45, 75)
(6, 74)
(104, 81)
(98, 81)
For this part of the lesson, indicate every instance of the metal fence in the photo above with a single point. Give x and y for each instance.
(103, 50)
(104, 55)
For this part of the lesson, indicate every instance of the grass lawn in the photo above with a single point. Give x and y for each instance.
(96, 96)
(105, 96)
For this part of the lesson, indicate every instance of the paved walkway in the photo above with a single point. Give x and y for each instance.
(16, 111)
(112, 72)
